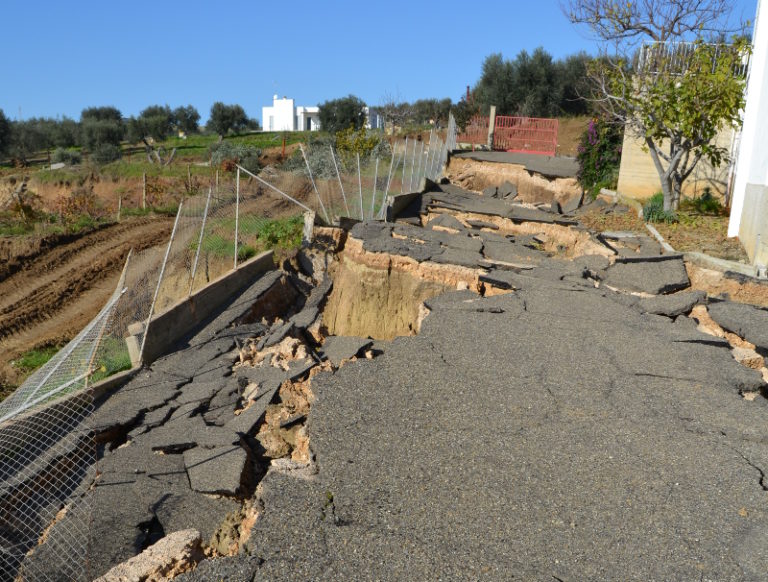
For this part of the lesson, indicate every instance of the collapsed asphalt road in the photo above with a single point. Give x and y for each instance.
(559, 432)
(574, 423)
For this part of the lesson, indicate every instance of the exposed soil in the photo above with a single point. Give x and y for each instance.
(693, 233)
(380, 295)
(532, 188)
(57, 289)
(598, 220)
(703, 234)
(736, 288)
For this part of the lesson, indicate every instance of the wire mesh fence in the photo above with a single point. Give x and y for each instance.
(47, 450)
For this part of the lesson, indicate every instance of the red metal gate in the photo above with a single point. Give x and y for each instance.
(530, 135)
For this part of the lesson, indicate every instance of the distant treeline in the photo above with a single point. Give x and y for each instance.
(100, 130)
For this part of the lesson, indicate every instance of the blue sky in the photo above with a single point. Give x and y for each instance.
(59, 57)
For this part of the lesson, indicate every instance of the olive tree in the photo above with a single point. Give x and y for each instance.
(186, 119)
(155, 121)
(101, 125)
(225, 118)
(343, 113)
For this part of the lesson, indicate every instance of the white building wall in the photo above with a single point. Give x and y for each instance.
(749, 209)
(308, 118)
(280, 116)
(373, 120)
(283, 115)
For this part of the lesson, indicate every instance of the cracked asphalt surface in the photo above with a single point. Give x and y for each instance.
(592, 443)
(566, 430)
(560, 432)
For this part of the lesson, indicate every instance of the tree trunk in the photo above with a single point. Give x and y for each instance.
(677, 189)
(667, 188)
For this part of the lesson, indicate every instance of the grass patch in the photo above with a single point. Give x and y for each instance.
(15, 229)
(281, 233)
(31, 360)
(653, 210)
(112, 358)
(255, 236)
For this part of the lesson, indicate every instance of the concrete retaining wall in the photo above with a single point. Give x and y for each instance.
(176, 322)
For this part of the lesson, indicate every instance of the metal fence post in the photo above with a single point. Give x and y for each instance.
(421, 160)
(429, 152)
(338, 175)
(200, 241)
(237, 212)
(311, 179)
(435, 154)
(405, 162)
(160, 280)
(389, 175)
(375, 178)
(413, 167)
(360, 187)
(435, 149)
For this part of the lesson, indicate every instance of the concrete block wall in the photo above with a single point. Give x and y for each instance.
(173, 324)
(638, 177)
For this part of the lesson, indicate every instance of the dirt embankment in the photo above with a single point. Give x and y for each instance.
(57, 288)
(380, 295)
(531, 187)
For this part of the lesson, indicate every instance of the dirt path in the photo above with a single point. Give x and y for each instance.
(58, 291)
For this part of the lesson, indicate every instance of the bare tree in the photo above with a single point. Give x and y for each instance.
(675, 97)
(394, 111)
(631, 23)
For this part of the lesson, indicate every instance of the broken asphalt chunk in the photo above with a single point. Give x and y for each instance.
(218, 470)
(338, 348)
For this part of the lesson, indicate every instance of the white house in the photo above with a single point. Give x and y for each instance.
(749, 208)
(283, 115)
(373, 120)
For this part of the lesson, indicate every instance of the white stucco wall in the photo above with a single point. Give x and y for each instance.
(283, 115)
(308, 118)
(280, 116)
(749, 209)
(752, 160)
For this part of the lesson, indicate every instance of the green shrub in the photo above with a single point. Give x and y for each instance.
(245, 252)
(350, 142)
(318, 153)
(704, 204)
(227, 153)
(599, 156)
(105, 153)
(284, 233)
(653, 210)
(83, 222)
(68, 157)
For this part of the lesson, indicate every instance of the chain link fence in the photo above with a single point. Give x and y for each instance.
(47, 450)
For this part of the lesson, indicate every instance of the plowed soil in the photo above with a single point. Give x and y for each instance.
(54, 289)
